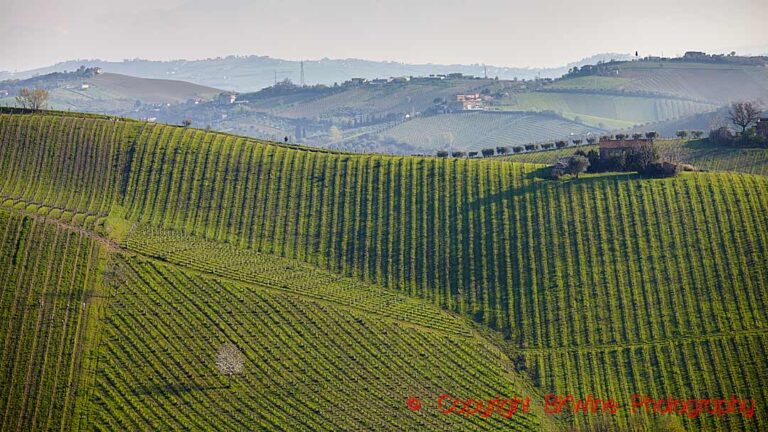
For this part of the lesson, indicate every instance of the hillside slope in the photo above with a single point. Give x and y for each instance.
(356, 116)
(108, 339)
(50, 311)
(150, 90)
(608, 285)
(635, 93)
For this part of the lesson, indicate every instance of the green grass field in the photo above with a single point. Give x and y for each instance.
(342, 275)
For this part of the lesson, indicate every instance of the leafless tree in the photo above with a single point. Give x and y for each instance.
(36, 99)
(22, 99)
(229, 360)
(744, 114)
(672, 153)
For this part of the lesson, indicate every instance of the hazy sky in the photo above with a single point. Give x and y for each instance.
(36, 33)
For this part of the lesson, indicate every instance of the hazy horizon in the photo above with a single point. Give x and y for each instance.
(39, 33)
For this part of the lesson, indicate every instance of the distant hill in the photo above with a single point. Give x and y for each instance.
(107, 92)
(479, 130)
(151, 90)
(702, 121)
(413, 117)
(368, 117)
(386, 115)
(252, 73)
(629, 94)
(605, 110)
(706, 82)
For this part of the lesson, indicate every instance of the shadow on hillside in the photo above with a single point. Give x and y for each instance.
(15, 110)
(542, 173)
(538, 182)
(703, 147)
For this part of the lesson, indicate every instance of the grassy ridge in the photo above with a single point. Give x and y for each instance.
(701, 154)
(605, 271)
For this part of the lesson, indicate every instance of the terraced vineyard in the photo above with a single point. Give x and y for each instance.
(82, 175)
(701, 154)
(608, 285)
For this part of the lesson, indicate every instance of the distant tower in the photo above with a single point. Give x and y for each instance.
(302, 74)
(485, 71)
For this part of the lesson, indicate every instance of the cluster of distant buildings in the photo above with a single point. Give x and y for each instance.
(469, 102)
(85, 72)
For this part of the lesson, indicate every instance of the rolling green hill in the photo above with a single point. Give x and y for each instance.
(608, 285)
(710, 82)
(106, 339)
(108, 92)
(415, 115)
(633, 93)
(151, 90)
